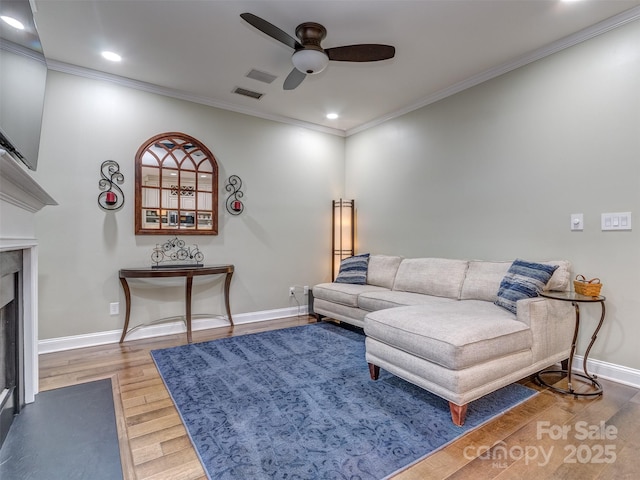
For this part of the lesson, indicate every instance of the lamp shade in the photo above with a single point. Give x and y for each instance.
(343, 241)
(310, 61)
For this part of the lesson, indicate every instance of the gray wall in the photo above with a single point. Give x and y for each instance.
(290, 175)
(491, 173)
(496, 171)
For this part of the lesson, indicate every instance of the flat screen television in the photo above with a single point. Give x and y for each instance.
(23, 75)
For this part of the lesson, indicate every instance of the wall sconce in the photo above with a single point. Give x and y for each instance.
(234, 205)
(343, 237)
(112, 197)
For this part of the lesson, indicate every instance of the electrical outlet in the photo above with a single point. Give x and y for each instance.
(114, 308)
(292, 291)
(305, 290)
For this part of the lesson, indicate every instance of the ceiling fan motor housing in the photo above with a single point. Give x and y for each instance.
(310, 59)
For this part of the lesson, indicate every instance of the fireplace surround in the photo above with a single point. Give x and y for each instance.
(20, 198)
(11, 343)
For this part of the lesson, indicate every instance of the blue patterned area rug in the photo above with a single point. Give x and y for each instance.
(298, 403)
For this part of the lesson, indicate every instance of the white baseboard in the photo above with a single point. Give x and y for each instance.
(51, 345)
(608, 371)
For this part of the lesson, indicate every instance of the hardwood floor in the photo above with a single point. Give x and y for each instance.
(549, 436)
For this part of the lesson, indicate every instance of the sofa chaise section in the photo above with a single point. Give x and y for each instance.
(434, 323)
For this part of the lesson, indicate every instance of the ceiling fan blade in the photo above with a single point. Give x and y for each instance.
(366, 52)
(294, 79)
(271, 30)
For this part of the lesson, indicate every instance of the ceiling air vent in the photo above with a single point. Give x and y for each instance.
(248, 93)
(261, 76)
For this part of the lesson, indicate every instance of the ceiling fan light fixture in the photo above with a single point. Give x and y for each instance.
(310, 61)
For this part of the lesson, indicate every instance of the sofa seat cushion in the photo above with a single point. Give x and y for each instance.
(343, 293)
(454, 335)
(372, 301)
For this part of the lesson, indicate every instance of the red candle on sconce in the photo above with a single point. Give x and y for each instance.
(110, 198)
(237, 206)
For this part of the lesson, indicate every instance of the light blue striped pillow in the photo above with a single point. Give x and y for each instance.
(354, 270)
(523, 280)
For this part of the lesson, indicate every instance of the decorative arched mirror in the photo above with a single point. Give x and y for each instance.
(176, 187)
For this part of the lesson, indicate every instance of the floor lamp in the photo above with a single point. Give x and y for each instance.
(343, 233)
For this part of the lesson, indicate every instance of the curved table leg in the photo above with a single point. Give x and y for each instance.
(127, 297)
(188, 290)
(573, 346)
(593, 340)
(227, 284)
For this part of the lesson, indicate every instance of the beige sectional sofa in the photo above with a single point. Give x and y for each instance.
(433, 322)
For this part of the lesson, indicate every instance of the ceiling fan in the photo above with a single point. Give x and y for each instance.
(309, 57)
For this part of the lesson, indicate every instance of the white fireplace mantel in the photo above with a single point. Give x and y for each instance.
(18, 188)
(20, 198)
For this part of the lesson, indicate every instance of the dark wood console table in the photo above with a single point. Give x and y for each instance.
(188, 273)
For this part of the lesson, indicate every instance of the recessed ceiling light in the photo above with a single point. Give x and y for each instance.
(13, 22)
(114, 57)
(332, 116)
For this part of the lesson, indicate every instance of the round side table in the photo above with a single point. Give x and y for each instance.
(576, 299)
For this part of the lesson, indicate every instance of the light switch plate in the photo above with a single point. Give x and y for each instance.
(616, 221)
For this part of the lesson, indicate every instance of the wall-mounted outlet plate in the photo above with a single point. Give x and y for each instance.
(114, 308)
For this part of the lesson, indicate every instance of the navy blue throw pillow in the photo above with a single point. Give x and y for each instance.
(354, 270)
(523, 280)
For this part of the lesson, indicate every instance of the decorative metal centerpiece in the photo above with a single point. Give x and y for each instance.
(111, 197)
(234, 205)
(174, 254)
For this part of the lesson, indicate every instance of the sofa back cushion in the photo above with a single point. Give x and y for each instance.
(483, 280)
(382, 270)
(441, 277)
(561, 278)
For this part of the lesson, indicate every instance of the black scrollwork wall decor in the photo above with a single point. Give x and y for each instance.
(234, 205)
(111, 198)
(175, 253)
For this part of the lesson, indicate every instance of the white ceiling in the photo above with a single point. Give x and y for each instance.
(201, 50)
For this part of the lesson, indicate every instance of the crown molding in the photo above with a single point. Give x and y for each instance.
(181, 95)
(16, 49)
(607, 25)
